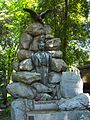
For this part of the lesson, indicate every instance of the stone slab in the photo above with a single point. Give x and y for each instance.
(45, 105)
(71, 85)
(57, 115)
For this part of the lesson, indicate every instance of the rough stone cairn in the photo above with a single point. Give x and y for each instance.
(41, 87)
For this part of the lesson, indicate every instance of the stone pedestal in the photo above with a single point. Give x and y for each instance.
(57, 115)
(44, 110)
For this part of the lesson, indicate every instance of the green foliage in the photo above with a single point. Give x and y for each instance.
(13, 21)
(69, 20)
(76, 54)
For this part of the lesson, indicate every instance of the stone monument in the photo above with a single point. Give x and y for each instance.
(41, 87)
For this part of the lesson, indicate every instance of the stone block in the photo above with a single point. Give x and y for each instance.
(25, 109)
(58, 65)
(21, 90)
(26, 77)
(59, 115)
(45, 105)
(26, 65)
(18, 110)
(25, 41)
(71, 85)
(24, 54)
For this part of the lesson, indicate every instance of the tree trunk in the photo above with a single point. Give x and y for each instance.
(65, 27)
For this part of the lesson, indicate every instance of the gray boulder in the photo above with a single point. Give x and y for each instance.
(26, 65)
(21, 90)
(79, 102)
(34, 44)
(35, 29)
(53, 44)
(58, 65)
(26, 77)
(41, 88)
(24, 54)
(56, 54)
(25, 41)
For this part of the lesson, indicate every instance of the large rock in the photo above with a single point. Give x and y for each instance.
(25, 41)
(71, 84)
(24, 54)
(34, 44)
(58, 65)
(21, 90)
(35, 29)
(26, 65)
(53, 44)
(79, 102)
(26, 77)
(41, 88)
(56, 54)
(54, 77)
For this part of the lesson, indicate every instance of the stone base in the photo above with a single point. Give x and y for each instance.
(57, 115)
(24, 109)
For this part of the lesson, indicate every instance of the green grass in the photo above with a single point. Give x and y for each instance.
(5, 114)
